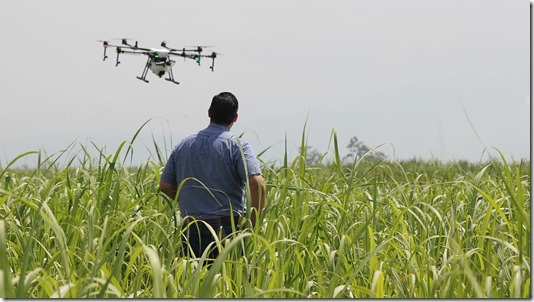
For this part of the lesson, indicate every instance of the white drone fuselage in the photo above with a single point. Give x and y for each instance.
(161, 63)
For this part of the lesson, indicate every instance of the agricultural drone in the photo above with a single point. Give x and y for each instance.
(159, 59)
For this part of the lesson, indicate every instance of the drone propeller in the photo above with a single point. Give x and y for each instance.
(125, 42)
(164, 45)
(199, 48)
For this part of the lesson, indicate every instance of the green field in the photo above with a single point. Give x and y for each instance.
(96, 227)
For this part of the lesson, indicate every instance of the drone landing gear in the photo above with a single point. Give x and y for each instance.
(171, 77)
(170, 80)
(142, 79)
(145, 71)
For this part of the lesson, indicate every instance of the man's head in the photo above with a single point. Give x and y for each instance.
(223, 109)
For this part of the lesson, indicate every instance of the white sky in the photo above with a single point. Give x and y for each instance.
(392, 73)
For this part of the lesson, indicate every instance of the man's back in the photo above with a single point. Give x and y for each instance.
(212, 166)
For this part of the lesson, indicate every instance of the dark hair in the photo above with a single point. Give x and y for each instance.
(223, 108)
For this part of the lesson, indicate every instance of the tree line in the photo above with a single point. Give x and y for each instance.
(356, 150)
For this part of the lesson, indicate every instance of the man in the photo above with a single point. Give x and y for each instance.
(210, 171)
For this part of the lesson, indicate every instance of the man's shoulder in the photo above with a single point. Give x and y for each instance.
(188, 138)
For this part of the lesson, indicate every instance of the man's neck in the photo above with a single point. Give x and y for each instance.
(227, 126)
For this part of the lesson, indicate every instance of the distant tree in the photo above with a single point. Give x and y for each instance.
(313, 156)
(357, 149)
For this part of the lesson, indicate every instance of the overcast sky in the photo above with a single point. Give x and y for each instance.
(419, 78)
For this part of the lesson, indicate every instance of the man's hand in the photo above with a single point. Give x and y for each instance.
(257, 193)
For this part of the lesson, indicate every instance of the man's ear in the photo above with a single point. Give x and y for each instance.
(235, 118)
(209, 112)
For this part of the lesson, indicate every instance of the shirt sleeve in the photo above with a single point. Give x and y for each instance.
(252, 163)
(169, 172)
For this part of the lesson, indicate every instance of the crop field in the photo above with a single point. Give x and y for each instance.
(97, 228)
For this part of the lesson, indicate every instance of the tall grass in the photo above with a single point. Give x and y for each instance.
(410, 229)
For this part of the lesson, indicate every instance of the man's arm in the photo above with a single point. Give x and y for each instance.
(168, 189)
(257, 193)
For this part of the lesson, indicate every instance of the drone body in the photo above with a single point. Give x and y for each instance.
(160, 63)
(159, 59)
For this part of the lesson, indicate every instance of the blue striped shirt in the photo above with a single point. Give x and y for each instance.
(210, 167)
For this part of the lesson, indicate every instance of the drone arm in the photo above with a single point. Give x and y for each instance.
(212, 56)
(135, 52)
(185, 55)
(178, 54)
(131, 52)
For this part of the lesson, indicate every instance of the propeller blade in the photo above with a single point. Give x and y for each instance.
(201, 46)
(125, 41)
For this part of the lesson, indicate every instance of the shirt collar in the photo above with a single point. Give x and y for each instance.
(218, 127)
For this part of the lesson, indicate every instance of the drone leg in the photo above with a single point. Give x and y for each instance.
(212, 64)
(145, 71)
(105, 57)
(118, 62)
(171, 77)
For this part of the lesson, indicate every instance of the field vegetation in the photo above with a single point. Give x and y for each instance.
(369, 228)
